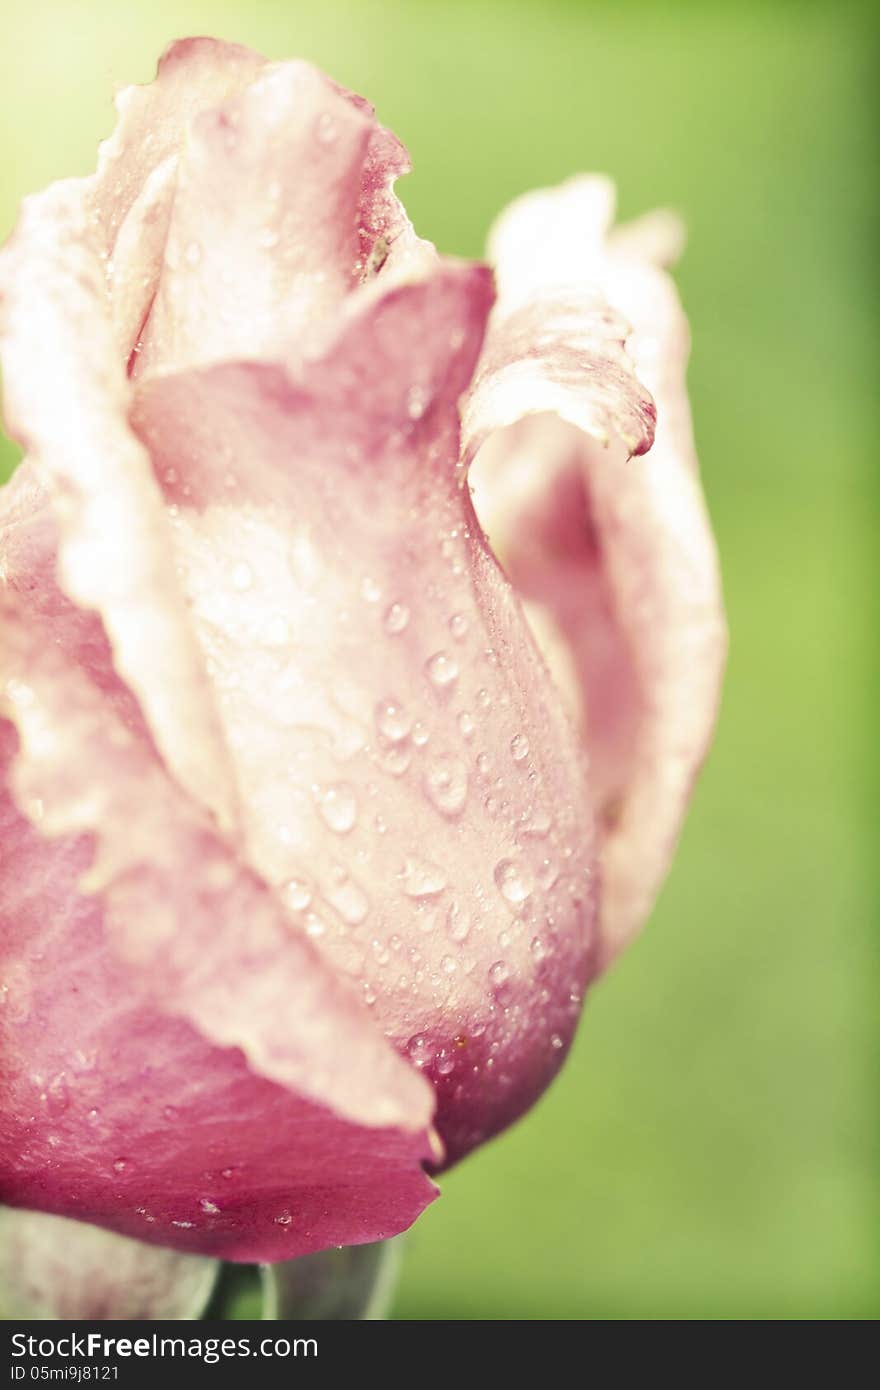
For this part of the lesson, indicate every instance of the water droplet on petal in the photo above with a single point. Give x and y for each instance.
(422, 879)
(513, 880)
(458, 626)
(498, 972)
(416, 402)
(338, 808)
(349, 899)
(442, 670)
(208, 1207)
(396, 618)
(466, 724)
(420, 1049)
(327, 129)
(392, 721)
(458, 923)
(397, 759)
(547, 875)
(538, 825)
(315, 926)
(297, 894)
(445, 1062)
(446, 785)
(519, 747)
(370, 591)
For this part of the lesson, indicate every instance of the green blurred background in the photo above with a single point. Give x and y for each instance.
(710, 1150)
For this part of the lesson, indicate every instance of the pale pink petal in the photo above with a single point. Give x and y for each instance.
(119, 1114)
(412, 786)
(614, 554)
(129, 198)
(56, 1269)
(114, 543)
(283, 206)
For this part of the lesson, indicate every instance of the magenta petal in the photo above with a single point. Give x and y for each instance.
(615, 557)
(55, 1269)
(119, 1113)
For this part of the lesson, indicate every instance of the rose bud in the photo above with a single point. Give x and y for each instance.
(316, 821)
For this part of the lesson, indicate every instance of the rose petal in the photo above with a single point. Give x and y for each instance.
(56, 1269)
(282, 197)
(117, 1113)
(617, 557)
(412, 785)
(88, 766)
(114, 545)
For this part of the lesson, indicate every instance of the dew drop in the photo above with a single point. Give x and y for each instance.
(338, 808)
(519, 747)
(547, 875)
(538, 825)
(422, 879)
(349, 899)
(445, 1062)
(466, 724)
(484, 699)
(537, 948)
(315, 925)
(419, 1049)
(499, 972)
(283, 1218)
(442, 670)
(208, 1207)
(392, 721)
(446, 785)
(416, 402)
(370, 591)
(327, 129)
(458, 923)
(484, 764)
(119, 1165)
(458, 626)
(297, 894)
(397, 759)
(420, 733)
(556, 1041)
(396, 618)
(513, 880)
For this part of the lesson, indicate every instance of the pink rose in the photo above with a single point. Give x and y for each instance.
(307, 858)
